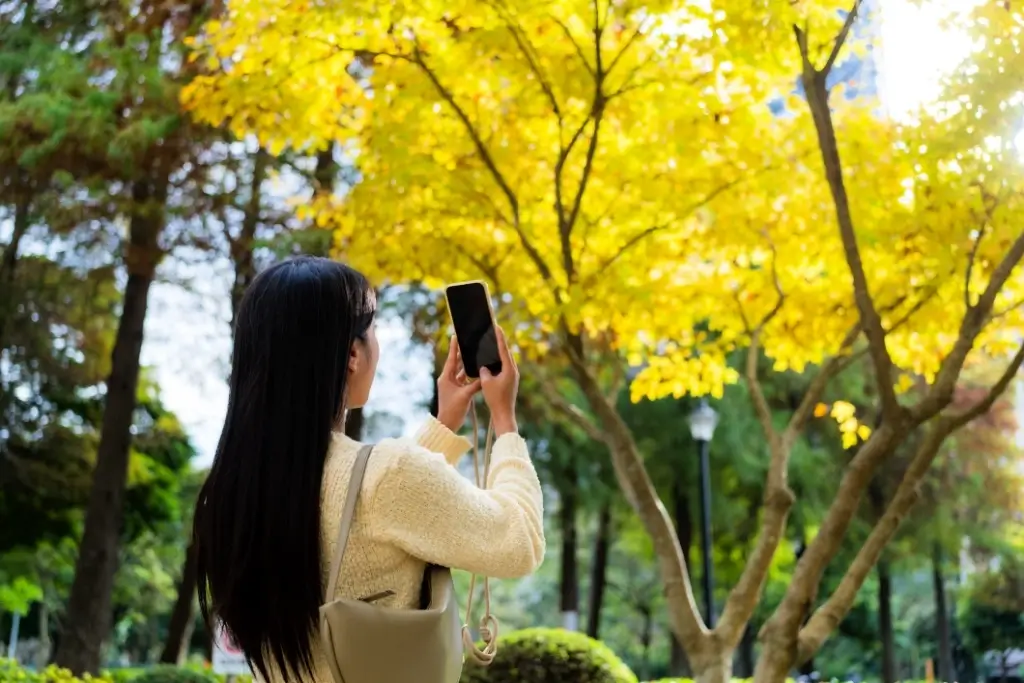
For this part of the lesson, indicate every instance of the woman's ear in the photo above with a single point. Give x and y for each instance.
(355, 357)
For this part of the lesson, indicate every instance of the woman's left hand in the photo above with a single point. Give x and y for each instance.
(454, 392)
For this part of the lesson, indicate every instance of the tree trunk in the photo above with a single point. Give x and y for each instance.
(569, 601)
(242, 255)
(885, 628)
(88, 619)
(599, 570)
(709, 656)
(43, 655)
(179, 630)
(944, 642)
(745, 653)
(180, 627)
(9, 261)
(679, 665)
(646, 633)
(716, 670)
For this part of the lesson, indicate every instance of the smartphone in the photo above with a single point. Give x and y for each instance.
(469, 304)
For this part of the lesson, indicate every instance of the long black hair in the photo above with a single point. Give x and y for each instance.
(257, 520)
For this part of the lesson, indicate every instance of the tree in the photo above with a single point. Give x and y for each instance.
(615, 171)
(92, 109)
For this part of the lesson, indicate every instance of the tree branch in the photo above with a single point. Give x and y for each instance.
(814, 81)
(941, 392)
(569, 410)
(488, 161)
(636, 483)
(840, 40)
(827, 617)
(529, 53)
(579, 49)
(995, 391)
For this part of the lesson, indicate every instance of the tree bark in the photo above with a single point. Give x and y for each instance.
(599, 570)
(182, 615)
(885, 628)
(9, 262)
(636, 484)
(646, 633)
(569, 584)
(88, 619)
(44, 636)
(679, 665)
(242, 257)
(944, 641)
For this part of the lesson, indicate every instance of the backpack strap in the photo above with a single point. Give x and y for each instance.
(351, 497)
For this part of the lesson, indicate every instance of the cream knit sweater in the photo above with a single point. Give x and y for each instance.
(415, 507)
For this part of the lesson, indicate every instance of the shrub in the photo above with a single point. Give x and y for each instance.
(172, 674)
(547, 655)
(11, 672)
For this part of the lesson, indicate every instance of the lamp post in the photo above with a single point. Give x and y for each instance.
(703, 421)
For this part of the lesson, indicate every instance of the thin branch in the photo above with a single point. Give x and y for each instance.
(832, 367)
(625, 48)
(975, 245)
(654, 229)
(488, 160)
(941, 392)
(579, 49)
(844, 33)
(569, 410)
(817, 100)
(530, 54)
(995, 391)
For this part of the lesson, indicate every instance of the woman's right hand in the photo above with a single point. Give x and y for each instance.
(500, 391)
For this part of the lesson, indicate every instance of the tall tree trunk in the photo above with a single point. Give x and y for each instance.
(646, 634)
(599, 569)
(88, 619)
(183, 615)
(242, 246)
(9, 262)
(885, 628)
(943, 638)
(679, 665)
(569, 601)
(877, 498)
(44, 636)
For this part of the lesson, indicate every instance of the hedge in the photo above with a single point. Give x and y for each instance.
(10, 672)
(547, 655)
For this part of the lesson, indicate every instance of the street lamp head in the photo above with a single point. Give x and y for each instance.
(703, 421)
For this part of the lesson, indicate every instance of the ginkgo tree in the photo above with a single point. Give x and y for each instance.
(614, 170)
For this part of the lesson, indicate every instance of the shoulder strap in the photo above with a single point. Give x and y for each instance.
(351, 497)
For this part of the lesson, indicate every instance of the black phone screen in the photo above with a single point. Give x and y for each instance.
(474, 328)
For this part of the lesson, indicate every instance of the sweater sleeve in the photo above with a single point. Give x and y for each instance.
(426, 507)
(435, 437)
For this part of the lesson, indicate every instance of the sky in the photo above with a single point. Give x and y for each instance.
(187, 340)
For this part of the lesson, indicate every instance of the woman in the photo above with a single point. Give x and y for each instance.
(268, 516)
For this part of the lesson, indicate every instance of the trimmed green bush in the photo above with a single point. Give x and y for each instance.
(172, 674)
(549, 655)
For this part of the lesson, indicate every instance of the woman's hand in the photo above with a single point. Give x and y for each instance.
(501, 390)
(454, 393)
